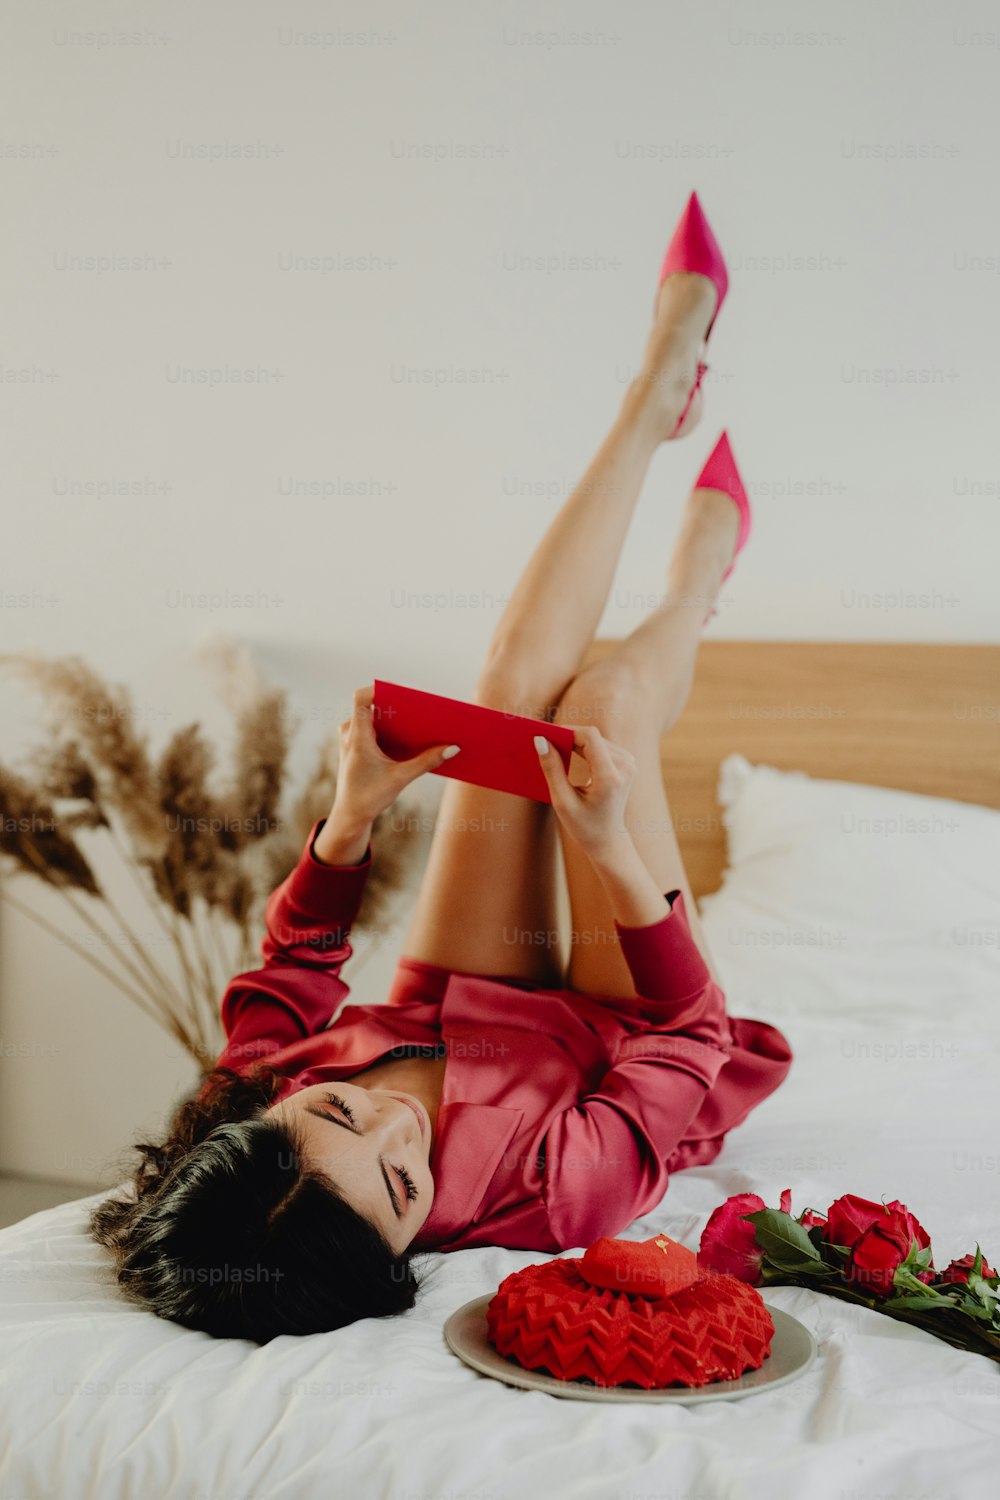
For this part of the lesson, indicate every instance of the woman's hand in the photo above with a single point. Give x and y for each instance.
(368, 781)
(594, 814)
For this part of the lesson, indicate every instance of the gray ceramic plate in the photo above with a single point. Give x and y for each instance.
(793, 1350)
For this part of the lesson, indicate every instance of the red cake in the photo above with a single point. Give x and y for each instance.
(630, 1313)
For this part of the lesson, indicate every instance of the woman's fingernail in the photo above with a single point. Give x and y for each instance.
(541, 744)
(451, 750)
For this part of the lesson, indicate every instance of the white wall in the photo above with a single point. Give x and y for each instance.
(847, 158)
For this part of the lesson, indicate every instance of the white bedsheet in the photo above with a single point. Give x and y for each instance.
(100, 1400)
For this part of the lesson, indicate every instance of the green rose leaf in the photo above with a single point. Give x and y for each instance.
(783, 1240)
(913, 1302)
(812, 1268)
(966, 1302)
(921, 1259)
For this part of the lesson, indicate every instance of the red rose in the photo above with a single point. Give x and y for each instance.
(849, 1217)
(959, 1270)
(883, 1246)
(728, 1243)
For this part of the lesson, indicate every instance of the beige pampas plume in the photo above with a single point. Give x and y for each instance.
(189, 865)
(65, 776)
(31, 836)
(231, 662)
(316, 797)
(260, 755)
(102, 718)
(203, 860)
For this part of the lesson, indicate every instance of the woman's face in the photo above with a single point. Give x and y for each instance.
(374, 1147)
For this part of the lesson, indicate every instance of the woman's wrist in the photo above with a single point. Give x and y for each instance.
(615, 854)
(636, 899)
(343, 839)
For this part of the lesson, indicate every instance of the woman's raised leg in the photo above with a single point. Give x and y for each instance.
(634, 695)
(487, 902)
(556, 607)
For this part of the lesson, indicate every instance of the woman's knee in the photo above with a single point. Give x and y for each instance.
(507, 686)
(611, 695)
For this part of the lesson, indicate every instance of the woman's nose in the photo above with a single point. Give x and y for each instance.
(398, 1118)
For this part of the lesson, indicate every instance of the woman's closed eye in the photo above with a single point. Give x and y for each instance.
(344, 1108)
(402, 1173)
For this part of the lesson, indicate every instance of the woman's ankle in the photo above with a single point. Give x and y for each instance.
(649, 414)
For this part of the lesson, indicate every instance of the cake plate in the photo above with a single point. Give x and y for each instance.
(793, 1350)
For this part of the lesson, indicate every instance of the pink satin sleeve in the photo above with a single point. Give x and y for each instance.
(297, 988)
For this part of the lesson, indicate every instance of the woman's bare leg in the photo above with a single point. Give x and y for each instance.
(551, 617)
(490, 888)
(634, 695)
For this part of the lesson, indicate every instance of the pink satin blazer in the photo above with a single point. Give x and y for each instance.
(562, 1114)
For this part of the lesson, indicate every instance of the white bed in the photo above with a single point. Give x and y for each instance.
(896, 1034)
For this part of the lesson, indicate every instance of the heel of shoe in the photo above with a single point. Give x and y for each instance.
(702, 372)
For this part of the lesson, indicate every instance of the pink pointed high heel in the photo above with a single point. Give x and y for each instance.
(720, 473)
(695, 248)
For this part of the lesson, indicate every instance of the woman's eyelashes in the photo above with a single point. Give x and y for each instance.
(402, 1173)
(344, 1108)
(411, 1191)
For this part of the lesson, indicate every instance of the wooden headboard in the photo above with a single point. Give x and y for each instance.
(924, 718)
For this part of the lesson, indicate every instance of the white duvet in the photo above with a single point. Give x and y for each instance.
(890, 1096)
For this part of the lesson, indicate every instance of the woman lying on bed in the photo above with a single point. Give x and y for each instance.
(492, 1099)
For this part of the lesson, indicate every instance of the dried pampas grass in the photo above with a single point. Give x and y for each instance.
(204, 858)
(102, 718)
(30, 835)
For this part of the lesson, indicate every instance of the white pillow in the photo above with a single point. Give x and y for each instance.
(853, 896)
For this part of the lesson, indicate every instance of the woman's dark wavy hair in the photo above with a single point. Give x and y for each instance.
(230, 1230)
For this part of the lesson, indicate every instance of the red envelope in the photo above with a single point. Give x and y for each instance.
(498, 749)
